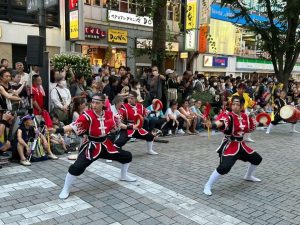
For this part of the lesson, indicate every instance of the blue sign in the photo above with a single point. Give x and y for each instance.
(227, 14)
(220, 62)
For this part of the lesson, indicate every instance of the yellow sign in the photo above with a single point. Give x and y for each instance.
(191, 15)
(184, 55)
(117, 36)
(74, 25)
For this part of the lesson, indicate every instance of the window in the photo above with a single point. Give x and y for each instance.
(139, 7)
(96, 2)
(173, 10)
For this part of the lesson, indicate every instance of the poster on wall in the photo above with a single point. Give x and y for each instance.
(190, 40)
(191, 15)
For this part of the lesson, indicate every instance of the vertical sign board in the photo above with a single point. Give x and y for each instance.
(74, 25)
(75, 21)
(203, 31)
(191, 25)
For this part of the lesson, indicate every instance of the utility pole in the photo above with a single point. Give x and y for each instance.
(44, 71)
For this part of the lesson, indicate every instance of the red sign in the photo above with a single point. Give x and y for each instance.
(73, 4)
(94, 33)
(203, 38)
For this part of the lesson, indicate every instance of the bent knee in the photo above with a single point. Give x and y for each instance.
(75, 170)
(223, 169)
(257, 161)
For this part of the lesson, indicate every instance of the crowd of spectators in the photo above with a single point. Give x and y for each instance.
(70, 94)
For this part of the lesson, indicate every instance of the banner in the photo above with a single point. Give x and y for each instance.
(117, 36)
(191, 15)
(203, 32)
(74, 25)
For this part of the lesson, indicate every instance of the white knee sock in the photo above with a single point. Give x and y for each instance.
(250, 174)
(269, 128)
(124, 175)
(294, 128)
(212, 179)
(70, 179)
(150, 150)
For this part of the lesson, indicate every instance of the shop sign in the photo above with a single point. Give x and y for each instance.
(204, 12)
(212, 61)
(118, 36)
(190, 40)
(147, 43)
(191, 14)
(184, 55)
(129, 18)
(203, 38)
(73, 4)
(74, 25)
(94, 33)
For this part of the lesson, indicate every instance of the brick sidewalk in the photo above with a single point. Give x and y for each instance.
(168, 190)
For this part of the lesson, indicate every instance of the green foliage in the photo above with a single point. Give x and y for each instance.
(203, 96)
(79, 64)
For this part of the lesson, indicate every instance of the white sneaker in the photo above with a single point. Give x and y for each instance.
(151, 152)
(207, 190)
(170, 132)
(109, 161)
(128, 179)
(180, 131)
(295, 131)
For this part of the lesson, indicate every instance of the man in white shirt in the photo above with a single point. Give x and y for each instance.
(20, 71)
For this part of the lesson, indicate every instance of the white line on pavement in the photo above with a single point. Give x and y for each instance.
(23, 185)
(45, 211)
(13, 170)
(182, 205)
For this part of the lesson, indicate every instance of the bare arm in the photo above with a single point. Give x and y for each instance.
(20, 139)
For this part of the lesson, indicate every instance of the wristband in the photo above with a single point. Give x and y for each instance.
(130, 127)
(5, 123)
(60, 130)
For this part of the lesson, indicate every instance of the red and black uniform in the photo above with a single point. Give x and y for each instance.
(127, 113)
(96, 144)
(233, 147)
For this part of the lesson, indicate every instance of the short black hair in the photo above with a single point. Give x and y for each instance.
(239, 98)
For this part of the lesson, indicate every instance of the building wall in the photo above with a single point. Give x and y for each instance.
(6, 51)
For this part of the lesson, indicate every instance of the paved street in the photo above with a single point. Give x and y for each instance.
(168, 190)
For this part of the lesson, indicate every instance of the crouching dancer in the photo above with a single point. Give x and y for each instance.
(96, 124)
(234, 125)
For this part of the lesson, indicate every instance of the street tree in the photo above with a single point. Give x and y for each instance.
(278, 34)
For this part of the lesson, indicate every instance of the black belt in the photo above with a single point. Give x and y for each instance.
(233, 138)
(97, 139)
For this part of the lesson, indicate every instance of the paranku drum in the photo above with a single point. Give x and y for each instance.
(290, 113)
(263, 118)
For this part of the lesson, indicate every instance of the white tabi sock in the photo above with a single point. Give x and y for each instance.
(70, 179)
(212, 179)
(124, 175)
(250, 174)
(294, 128)
(150, 150)
(269, 128)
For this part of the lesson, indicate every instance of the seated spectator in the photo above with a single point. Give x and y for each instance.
(196, 109)
(175, 119)
(27, 137)
(5, 123)
(191, 125)
(156, 119)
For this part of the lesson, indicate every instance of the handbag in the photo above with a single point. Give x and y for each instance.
(62, 115)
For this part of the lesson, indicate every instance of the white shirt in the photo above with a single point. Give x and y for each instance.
(169, 111)
(65, 95)
(24, 78)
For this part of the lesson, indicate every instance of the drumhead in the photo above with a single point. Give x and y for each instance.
(286, 112)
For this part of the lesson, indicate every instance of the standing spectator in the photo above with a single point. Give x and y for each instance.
(38, 95)
(172, 85)
(110, 89)
(17, 85)
(6, 92)
(61, 100)
(155, 85)
(78, 108)
(77, 89)
(20, 71)
(123, 87)
(187, 84)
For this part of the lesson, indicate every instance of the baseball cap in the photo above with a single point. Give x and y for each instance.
(169, 71)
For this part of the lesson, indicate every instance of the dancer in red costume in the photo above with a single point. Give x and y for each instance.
(234, 125)
(96, 124)
(128, 112)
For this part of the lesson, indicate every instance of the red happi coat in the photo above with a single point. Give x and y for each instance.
(128, 112)
(235, 127)
(95, 127)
